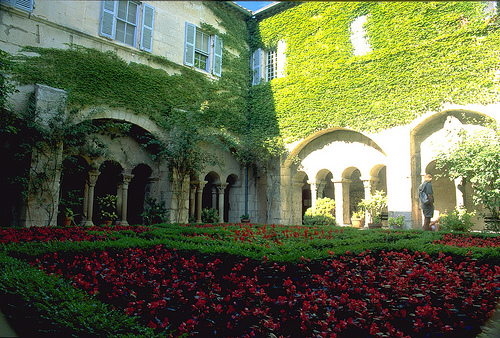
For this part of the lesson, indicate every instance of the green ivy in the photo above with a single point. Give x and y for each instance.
(424, 55)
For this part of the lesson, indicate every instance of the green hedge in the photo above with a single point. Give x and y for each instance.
(52, 304)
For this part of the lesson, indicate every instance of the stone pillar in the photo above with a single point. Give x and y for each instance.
(220, 189)
(314, 191)
(126, 181)
(85, 206)
(199, 200)
(192, 199)
(320, 188)
(297, 202)
(342, 201)
(214, 197)
(93, 176)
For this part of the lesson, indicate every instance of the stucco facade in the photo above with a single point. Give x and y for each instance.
(340, 163)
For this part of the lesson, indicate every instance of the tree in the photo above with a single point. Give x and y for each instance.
(475, 158)
(183, 152)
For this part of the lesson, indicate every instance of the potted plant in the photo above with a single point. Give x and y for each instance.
(68, 216)
(357, 219)
(396, 223)
(107, 208)
(155, 212)
(374, 206)
(67, 206)
(245, 218)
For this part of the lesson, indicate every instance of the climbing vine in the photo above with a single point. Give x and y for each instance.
(424, 54)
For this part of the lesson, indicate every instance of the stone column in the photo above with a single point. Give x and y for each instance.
(126, 181)
(314, 191)
(342, 201)
(199, 200)
(93, 176)
(320, 188)
(192, 199)
(297, 202)
(214, 197)
(85, 202)
(220, 189)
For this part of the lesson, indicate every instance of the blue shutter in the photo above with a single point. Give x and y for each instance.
(189, 44)
(26, 5)
(107, 28)
(148, 21)
(217, 66)
(256, 66)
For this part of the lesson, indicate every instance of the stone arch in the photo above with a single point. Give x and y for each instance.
(322, 138)
(324, 181)
(123, 115)
(210, 190)
(339, 151)
(429, 132)
(353, 183)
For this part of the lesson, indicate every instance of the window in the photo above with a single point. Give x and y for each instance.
(26, 5)
(271, 65)
(202, 51)
(120, 22)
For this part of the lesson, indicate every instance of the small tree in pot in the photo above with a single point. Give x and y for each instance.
(374, 206)
(107, 208)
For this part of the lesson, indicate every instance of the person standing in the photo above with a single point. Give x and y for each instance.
(426, 196)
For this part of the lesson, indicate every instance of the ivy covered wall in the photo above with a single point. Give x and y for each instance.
(92, 78)
(424, 54)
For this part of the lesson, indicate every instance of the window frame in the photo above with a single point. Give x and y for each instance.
(193, 54)
(271, 67)
(143, 26)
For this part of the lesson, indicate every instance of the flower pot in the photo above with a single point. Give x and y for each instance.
(108, 222)
(357, 222)
(374, 225)
(245, 220)
(67, 221)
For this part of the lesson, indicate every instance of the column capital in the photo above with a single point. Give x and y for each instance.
(127, 178)
(93, 175)
(221, 187)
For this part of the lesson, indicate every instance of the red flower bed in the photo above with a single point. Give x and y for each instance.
(266, 235)
(468, 241)
(391, 294)
(73, 234)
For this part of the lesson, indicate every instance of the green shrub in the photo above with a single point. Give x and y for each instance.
(456, 220)
(322, 214)
(210, 215)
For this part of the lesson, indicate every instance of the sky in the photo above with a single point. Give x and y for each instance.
(254, 5)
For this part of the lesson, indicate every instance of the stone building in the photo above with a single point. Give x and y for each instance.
(336, 161)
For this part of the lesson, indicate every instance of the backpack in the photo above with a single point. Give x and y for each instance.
(424, 198)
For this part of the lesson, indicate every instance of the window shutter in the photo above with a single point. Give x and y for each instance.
(148, 20)
(27, 5)
(108, 19)
(189, 44)
(256, 66)
(217, 66)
